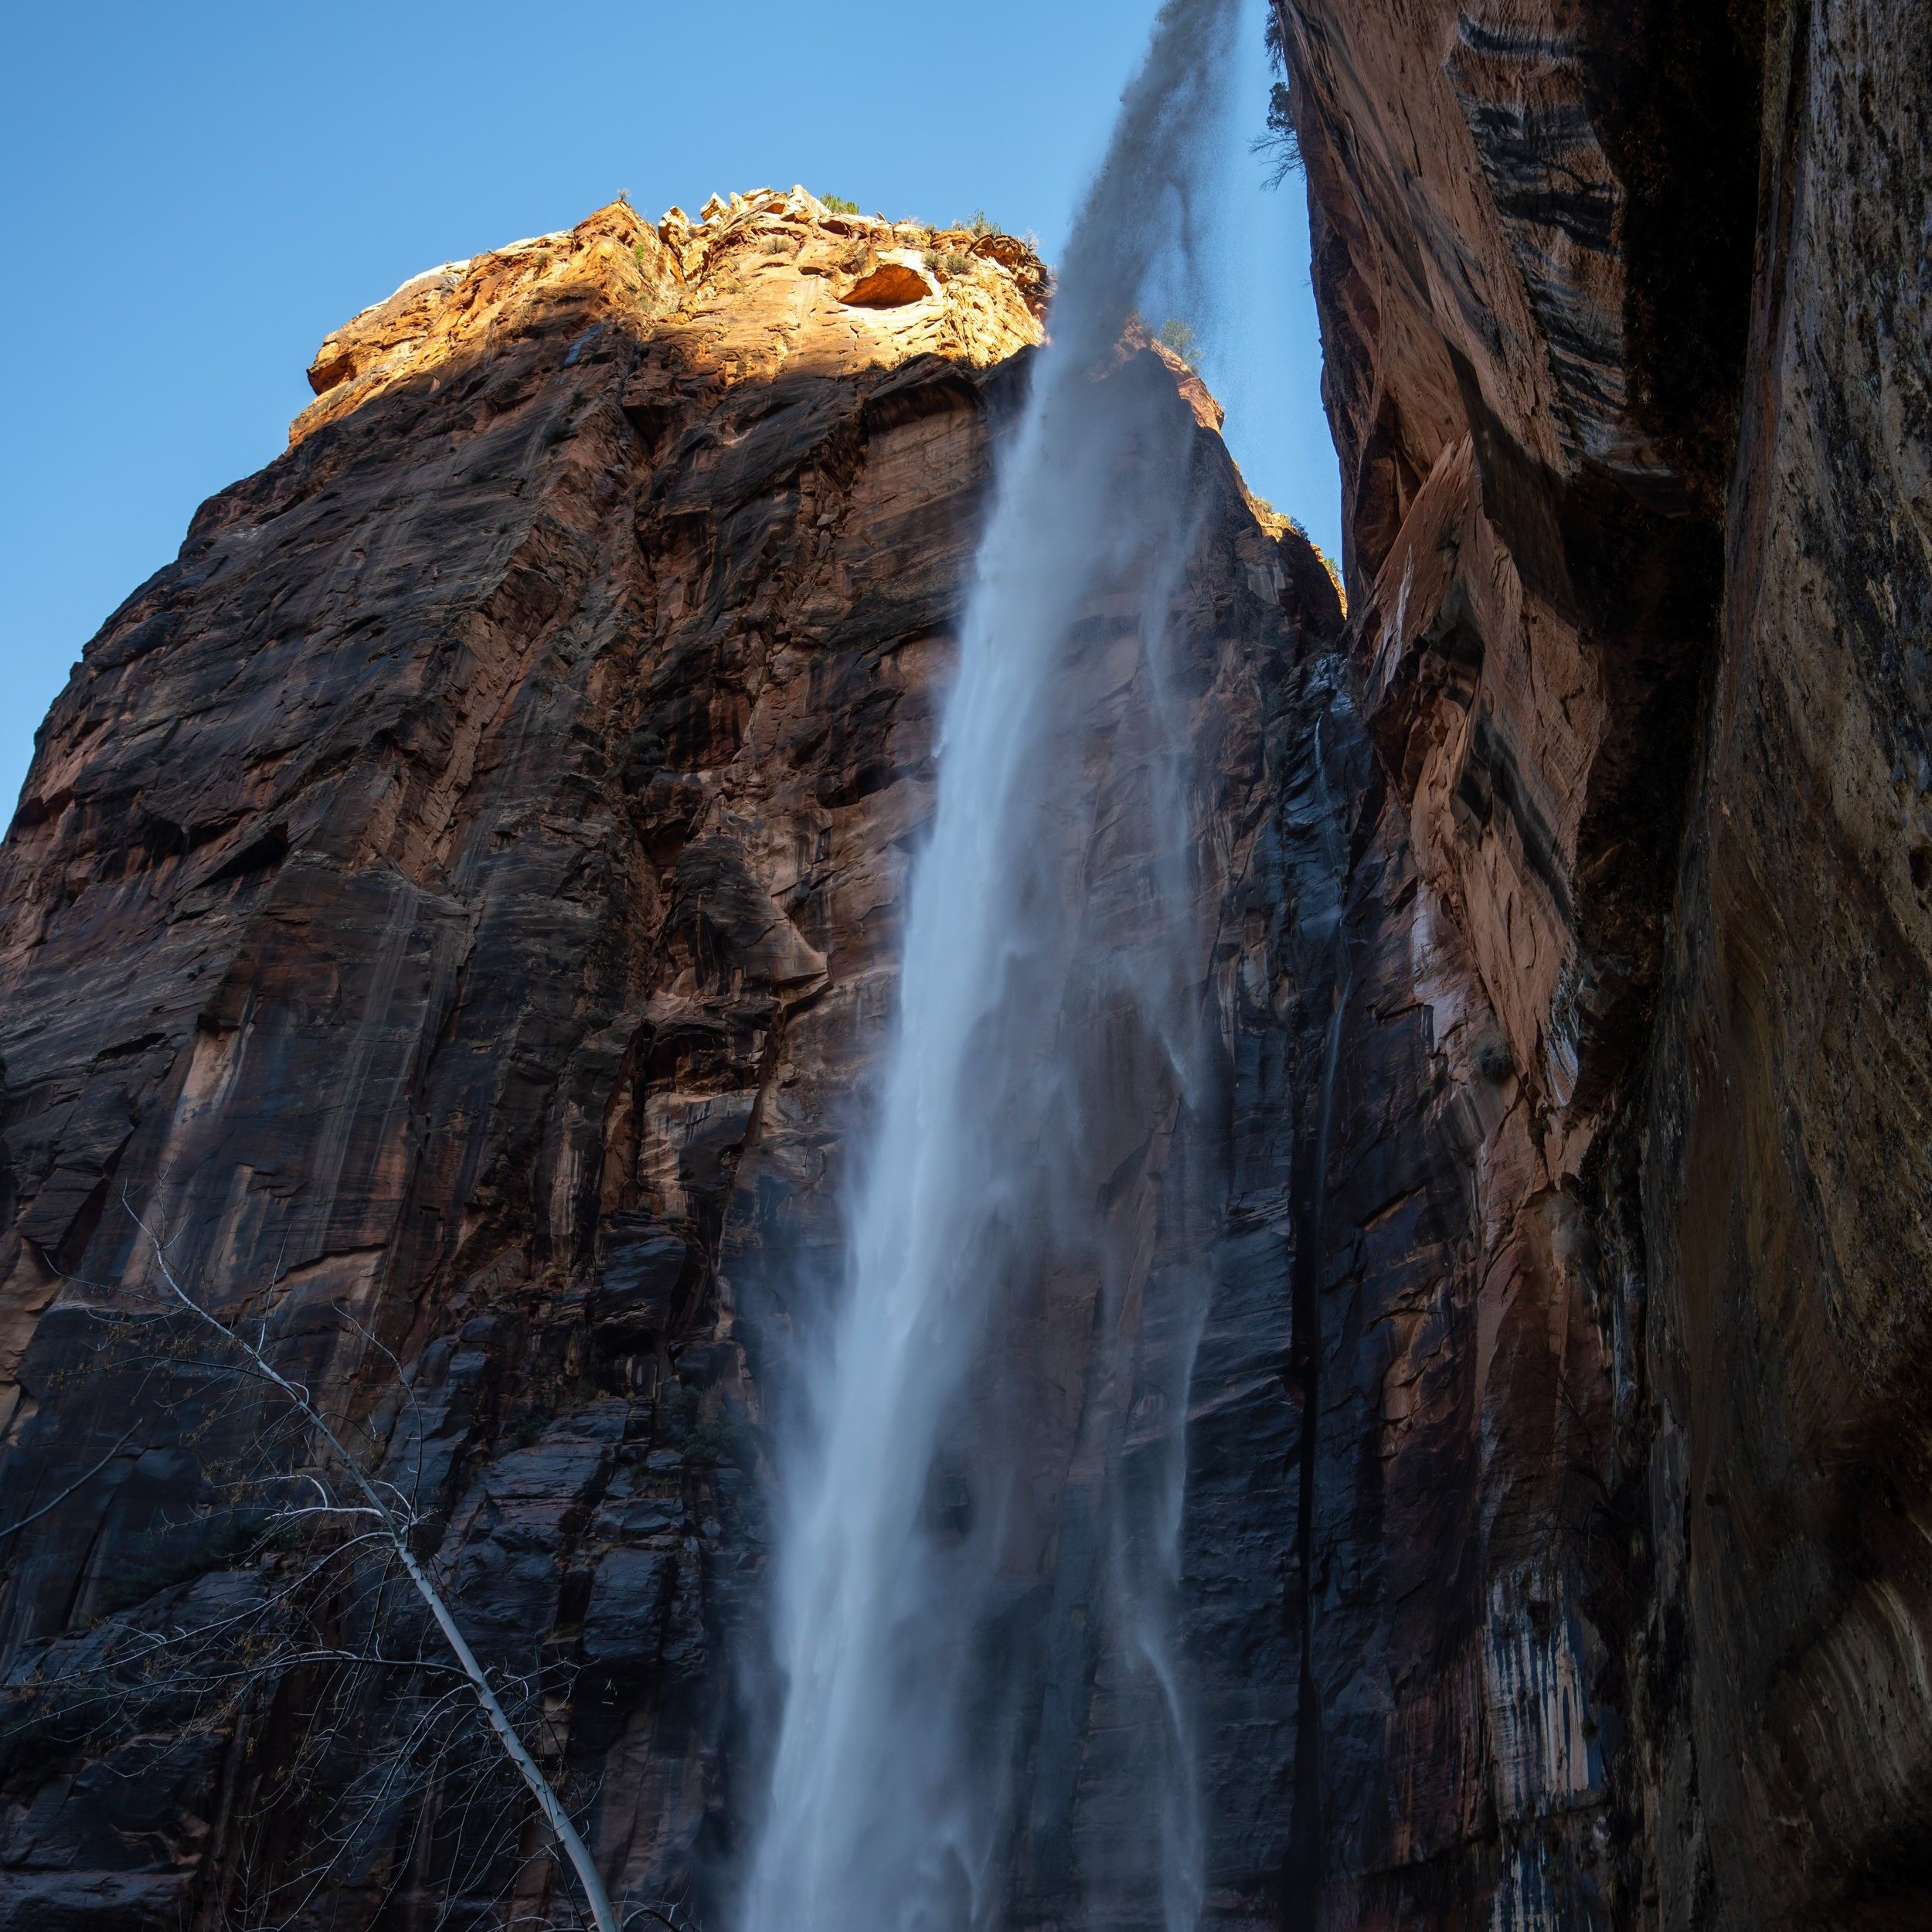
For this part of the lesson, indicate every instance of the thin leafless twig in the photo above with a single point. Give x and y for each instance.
(396, 1530)
(79, 1482)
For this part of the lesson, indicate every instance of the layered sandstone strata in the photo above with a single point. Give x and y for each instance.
(462, 891)
(1622, 1483)
(455, 905)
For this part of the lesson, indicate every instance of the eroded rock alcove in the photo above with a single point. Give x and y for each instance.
(456, 904)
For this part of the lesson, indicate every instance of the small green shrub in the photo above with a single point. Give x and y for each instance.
(724, 1442)
(677, 1410)
(838, 205)
(527, 1431)
(1492, 1056)
(642, 757)
(953, 263)
(1281, 147)
(1178, 335)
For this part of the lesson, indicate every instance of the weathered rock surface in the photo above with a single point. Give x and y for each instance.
(454, 905)
(461, 892)
(1621, 1599)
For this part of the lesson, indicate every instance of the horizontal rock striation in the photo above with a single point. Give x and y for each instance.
(1620, 1479)
(453, 906)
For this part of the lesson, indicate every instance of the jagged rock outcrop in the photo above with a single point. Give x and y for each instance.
(454, 905)
(1621, 1487)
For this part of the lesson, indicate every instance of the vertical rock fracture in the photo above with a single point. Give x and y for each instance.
(1279, 1281)
(460, 904)
(1623, 1466)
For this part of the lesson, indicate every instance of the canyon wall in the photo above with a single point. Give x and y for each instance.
(1620, 1582)
(454, 908)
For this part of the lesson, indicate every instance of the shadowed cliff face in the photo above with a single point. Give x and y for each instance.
(456, 905)
(1620, 1482)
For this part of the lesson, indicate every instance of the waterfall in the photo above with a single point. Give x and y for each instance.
(941, 1623)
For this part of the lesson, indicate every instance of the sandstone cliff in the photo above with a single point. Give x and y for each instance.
(460, 894)
(455, 904)
(1622, 1477)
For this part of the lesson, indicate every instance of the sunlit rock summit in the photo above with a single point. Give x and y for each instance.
(456, 905)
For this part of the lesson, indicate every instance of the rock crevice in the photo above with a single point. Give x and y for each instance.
(1625, 376)
(456, 902)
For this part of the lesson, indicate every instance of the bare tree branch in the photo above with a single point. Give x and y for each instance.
(395, 1529)
(79, 1482)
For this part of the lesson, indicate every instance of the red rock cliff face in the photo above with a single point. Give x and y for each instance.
(1620, 1596)
(455, 905)
(460, 894)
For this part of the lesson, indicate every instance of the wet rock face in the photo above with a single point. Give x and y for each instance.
(455, 905)
(1624, 1447)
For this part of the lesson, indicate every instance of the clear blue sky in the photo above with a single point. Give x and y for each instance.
(195, 193)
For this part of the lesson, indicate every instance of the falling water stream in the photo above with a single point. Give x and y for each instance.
(946, 1616)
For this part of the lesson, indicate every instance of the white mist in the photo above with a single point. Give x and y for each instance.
(1044, 1043)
